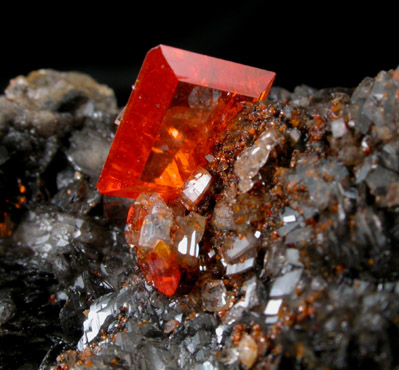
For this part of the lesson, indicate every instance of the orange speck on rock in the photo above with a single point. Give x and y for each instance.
(275, 235)
(340, 269)
(6, 226)
(52, 299)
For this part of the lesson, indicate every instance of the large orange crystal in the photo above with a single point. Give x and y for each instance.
(179, 103)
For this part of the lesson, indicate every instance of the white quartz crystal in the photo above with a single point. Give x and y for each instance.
(252, 159)
(240, 267)
(237, 245)
(286, 284)
(195, 187)
(155, 227)
(338, 128)
(273, 306)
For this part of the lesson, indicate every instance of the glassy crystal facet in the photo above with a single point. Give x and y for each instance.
(179, 103)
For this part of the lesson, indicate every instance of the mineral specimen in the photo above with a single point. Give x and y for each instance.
(298, 272)
(174, 130)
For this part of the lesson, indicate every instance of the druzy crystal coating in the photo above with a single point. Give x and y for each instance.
(323, 209)
(179, 103)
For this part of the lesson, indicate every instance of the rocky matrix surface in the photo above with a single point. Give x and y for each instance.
(293, 260)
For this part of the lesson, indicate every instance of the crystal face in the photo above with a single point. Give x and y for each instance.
(252, 159)
(214, 296)
(161, 268)
(195, 187)
(179, 103)
(166, 245)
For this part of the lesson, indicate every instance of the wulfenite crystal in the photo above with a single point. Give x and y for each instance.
(179, 103)
(161, 268)
(165, 244)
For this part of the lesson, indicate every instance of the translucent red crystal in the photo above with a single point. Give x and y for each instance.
(160, 267)
(179, 103)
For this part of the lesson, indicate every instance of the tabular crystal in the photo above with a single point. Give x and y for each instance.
(195, 187)
(161, 268)
(273, 306)
(190, 231)
(286, 284)
(148, 215)
(238, 245)
(240, 267)
(179, 103)
(252, 159)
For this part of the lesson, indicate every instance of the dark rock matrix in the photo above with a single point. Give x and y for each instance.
(298, 257)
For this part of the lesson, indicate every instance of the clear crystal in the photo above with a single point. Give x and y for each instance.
(286, 284)
(240, 267)
(155, 227)
(214, 296)
(252, 298)
(238, 245)
(195, 187)
(223, 217)
(186, 242)
(148, 217)
(252, 159)
(273, 307)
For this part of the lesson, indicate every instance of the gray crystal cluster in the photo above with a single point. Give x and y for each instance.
(151, 221)
(58, 253)
(291, 227)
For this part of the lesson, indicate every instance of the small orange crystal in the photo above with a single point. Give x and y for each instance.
(179, 103)
(161, 268)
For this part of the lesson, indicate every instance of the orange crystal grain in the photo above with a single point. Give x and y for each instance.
(161, 268)
(179, 103)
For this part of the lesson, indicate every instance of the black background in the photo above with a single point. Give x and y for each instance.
(322, 45)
